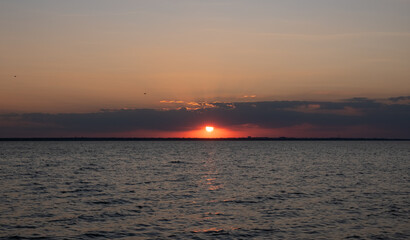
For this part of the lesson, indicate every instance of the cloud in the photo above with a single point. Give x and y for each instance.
(401, 98)
(249, 96)
(171, 101)
(388, 120)
(307, 36)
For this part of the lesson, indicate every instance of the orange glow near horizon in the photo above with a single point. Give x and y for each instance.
(210, 132)
(201, 132)
(209, 129)
(304, 130)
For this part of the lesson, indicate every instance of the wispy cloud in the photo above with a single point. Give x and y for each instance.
(171, 101)
(249, 96)
(100, 14)
(311, 36)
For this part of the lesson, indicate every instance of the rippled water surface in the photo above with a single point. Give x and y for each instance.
(205, 190)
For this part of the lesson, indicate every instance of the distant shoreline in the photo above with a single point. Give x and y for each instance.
(202, 139)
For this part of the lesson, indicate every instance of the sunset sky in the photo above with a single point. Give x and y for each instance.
(162, 68)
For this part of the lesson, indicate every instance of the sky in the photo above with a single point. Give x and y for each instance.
(161, 68)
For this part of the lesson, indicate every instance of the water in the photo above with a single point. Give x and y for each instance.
(205, 190)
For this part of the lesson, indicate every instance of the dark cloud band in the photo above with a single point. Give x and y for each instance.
(390, 115)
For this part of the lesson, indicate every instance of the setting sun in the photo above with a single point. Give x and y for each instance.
(209, 129)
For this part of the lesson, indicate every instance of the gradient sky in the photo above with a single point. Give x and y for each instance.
(73, 58)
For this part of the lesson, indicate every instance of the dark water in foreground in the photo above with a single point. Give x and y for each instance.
(205, 190)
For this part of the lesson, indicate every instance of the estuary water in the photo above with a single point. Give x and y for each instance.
(205, 190)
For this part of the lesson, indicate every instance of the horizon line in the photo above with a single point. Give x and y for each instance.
(199, 139)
